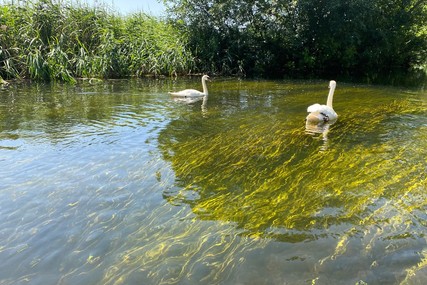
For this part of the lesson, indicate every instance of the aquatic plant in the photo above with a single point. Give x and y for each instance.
(60, 40)
(273, 180)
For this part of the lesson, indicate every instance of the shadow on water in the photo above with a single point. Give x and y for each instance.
(359, 183)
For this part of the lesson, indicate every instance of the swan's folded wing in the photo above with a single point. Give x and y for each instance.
(187, 93)
(314, 108)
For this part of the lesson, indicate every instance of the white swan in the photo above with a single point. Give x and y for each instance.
(192, 92)
(323, 113)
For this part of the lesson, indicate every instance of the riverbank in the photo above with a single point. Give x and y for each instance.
(48, 41)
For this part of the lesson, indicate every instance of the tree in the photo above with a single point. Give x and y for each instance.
(253, 37)
(358, 38)
(351, 38)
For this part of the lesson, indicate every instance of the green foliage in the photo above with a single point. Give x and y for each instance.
(60, 40)
(364, 37)
(352, 39)
(56, 40)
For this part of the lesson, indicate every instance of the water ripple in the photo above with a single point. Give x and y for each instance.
(126, 186)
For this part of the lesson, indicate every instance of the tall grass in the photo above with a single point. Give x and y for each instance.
(60, 40)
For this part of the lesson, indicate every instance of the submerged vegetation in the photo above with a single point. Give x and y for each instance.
(270, 179)
(62, 40)
(47, 40)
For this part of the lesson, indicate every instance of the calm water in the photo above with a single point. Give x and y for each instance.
(116, 183)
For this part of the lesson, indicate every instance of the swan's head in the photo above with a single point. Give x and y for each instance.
(332, 84)
(205, 78)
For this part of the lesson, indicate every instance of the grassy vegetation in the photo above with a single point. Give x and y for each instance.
(56, 40)
(373, 41)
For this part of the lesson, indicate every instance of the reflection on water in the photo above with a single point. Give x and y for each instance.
(116, 183)
(193, 100)
(319, 130)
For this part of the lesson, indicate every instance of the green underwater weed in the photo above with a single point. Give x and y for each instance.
(271, 180)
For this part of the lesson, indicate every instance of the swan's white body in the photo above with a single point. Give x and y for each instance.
(187, 93)
(323, 113)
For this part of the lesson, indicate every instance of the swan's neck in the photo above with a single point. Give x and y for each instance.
(205, 87)
(330, 97)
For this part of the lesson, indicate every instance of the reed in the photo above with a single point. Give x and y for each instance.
(59, 40)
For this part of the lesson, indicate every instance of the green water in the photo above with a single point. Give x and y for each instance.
(116, 183)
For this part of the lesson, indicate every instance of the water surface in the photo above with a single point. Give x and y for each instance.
(116, 183)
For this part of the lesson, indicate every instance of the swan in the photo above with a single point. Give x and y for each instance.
(192, 92)
(323, 113)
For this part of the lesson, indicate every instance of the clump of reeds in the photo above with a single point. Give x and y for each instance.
(59, 40)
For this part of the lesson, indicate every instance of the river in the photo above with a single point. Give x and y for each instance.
(114, 182)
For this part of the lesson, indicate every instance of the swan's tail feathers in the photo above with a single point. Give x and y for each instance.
(177, 94)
